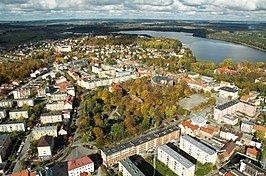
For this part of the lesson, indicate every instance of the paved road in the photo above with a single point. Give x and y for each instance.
(23, 153)
(78, 150)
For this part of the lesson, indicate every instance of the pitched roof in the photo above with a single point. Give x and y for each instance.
(24, 173)
(188, 124)
(229, 147)
(252, 150)
(207, 130)
(259, 128)
(79, 162)
(246, 98)
(45, 141)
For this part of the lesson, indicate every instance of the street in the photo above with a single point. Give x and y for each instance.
(22, 155)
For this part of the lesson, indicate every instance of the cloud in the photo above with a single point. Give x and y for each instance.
(174, 9)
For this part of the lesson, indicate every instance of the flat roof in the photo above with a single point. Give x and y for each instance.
(45, 128)
(138, 141)
(177, 156)
(228, 89)
(199, 144)
(131, 167)
(227, 104)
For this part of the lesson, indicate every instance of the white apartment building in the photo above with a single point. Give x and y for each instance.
(128, 168)
(58, 96)
(57, 105)
(228, 91)
(2, 113)
(51, 118)
(197, 149)
(16, 114)
(14, 126)
(6, 103)
(80, 165)
(38, 132)
(63, 48)
(27, 101)
(175, 161)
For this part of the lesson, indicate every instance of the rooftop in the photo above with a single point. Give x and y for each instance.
(79, 162)
(227, 104)
(44, 128)
(228, 89)
(131, 167)
(199, 144)
(178, 157)
(3, 139)
(45, 141)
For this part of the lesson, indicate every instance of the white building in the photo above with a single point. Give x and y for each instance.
(6, 103)
(228, 92)
(27, 101)
(63, 48)
(13, 126)
(51, 118)
(80, 165)
(2, 113)
(175, 161)
(247, 126)
(128, 168)
(45, 147)
(198, 149)
(229, 119)
(38, 132)
(16, 114)
(57, 105)
(58, 96)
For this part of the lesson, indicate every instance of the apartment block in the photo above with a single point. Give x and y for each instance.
(51, 118)
(21, 93)
(139, 146)
(12, 126)
(128, 168)
(232, 107)
(175, 161)
(2, 113)
(6, 103)
(38, 132)
(198, 149)
(16, 114)
(26, 101)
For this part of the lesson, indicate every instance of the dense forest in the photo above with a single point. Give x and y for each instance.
(10, 71)
(113, 116)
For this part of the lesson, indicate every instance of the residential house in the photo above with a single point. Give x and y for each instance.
(250, 169)
(45, 147)
(4, 144)
(6, 103)
(80, 165)
(63, 130)
(66, 114)
(2, 113)
(12, 126)
(188, 128)
(226, 151)
(16, 114)
(25, 173)
(51, 117)
(199, 149)
(252, 152)
(38, 132)
(224, 70)
(175, 161)
(246, 126)
(54, 106)
(128, 168)
(230, 135)
(63, 48)
(58, 96)
(26, 101)
(207, 132)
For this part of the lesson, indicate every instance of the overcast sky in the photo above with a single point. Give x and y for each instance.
(135, 9)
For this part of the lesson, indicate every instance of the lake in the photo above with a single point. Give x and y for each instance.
(210, 49)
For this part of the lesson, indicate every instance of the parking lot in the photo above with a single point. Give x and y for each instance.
(192, 101)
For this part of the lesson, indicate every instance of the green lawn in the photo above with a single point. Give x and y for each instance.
(203, 169)
(161, 168)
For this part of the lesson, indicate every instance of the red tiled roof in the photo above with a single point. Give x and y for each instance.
(189, 124)
(79, 162)
(259, 128)
(252, 150)
(207, 130)
(24, 173)
(115, 86)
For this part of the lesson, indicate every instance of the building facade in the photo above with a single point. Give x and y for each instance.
(128, 168)
(198, 149)
(80, 165)
(38, 132)
(13, 126)
(139, 146)
(45, 147)
(175, 161)
(16, 114)
(27, 101)
(51, 118)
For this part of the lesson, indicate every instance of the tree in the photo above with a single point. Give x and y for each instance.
(260, 135)
(207, 94)
(212, 101)
(87, 136)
